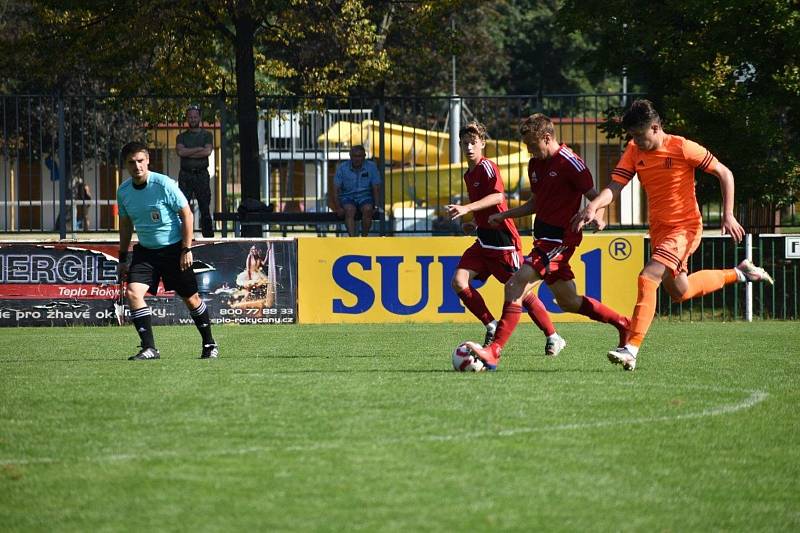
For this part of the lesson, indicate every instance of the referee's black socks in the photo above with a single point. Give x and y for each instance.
(200, 317)
(144, 326)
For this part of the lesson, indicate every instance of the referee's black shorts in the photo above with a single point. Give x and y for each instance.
(150, 265)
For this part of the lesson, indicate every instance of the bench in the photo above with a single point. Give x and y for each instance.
(320, 221)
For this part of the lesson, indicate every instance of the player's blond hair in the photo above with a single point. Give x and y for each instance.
(473, 129)
(538, 124)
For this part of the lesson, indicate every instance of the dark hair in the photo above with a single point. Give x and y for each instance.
(358, 148)
(194, 107)
(473, 129)
(640, 115)
(133, 148)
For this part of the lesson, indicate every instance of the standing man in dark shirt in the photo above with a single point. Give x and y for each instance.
(193, 147)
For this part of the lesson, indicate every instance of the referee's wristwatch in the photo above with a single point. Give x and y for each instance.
(185, 250)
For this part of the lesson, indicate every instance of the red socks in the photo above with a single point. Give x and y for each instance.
(508, 322)
(473, 301)
(538, 313)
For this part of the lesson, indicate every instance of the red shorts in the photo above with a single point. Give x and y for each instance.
(489, 261)
(550, 260)
(672, 246)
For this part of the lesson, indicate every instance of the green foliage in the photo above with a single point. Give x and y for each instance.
(726, 74)
(500, 47)
(366, 427)
(545, 58)
(187, 47)
(470, 31)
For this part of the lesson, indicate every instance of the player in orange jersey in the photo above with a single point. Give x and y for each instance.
(665, 164)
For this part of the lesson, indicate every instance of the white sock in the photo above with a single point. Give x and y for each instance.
(554, 337)
(740, 277)
(634, 350)
(492, 326)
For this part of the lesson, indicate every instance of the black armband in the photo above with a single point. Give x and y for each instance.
(123, 256)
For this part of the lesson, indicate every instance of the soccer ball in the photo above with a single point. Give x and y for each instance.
(465, 361)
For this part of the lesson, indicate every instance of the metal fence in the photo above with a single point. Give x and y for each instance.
(421, 164)
(60, 154)
(778, 301)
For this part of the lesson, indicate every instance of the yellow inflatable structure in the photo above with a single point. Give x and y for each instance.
(420, 170)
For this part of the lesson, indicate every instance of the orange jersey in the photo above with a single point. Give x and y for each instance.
(667, 175)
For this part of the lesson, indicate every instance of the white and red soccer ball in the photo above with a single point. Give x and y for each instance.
(465, 361)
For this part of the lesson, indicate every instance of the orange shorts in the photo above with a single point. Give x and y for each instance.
(672, 245)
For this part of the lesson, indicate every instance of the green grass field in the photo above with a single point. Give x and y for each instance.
(367, 428)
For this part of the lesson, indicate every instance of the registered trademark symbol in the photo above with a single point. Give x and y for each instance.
(620, 249)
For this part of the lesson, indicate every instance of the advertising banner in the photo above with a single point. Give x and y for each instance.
(246, 282)
(57, 285)
(242, 282)
(407, 279)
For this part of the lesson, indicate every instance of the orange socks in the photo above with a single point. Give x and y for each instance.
(644, 310)
(700, 284)
(708, 281)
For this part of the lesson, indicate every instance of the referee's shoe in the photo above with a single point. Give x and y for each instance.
(145, 354)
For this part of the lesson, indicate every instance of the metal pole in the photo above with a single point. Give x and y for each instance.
(455, 126)
(223, 166)
(748, 291)
(62, 200)
(624, 86)
(382, 157)
(453, 57)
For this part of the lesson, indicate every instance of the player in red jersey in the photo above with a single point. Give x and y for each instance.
(497, 250)
(559, 179)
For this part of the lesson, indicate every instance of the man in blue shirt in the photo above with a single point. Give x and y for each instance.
(153, 205)
(357, 185)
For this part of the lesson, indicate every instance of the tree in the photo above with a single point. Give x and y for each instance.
(183, 47)
(544, 57)
(726, 73)
(501, 47)
(467, 30)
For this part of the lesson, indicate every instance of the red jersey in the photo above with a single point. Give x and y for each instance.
(482, 181)
(558, 183)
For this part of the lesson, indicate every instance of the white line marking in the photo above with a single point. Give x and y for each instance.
(755, 397)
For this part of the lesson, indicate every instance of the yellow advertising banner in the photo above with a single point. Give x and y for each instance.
(407, 279)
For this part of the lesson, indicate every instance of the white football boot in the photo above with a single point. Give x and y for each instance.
(621, 356)
(754, 273)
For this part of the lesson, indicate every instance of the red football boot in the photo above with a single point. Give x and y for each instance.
(489, 355)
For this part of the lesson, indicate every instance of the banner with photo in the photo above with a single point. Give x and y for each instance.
(242, 282)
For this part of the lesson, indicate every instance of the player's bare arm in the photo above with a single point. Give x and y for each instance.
(600, 213)
(590, 213)
(187, 234)
(125, 235)
(455, 211)
(730, 226)
(528, 208)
